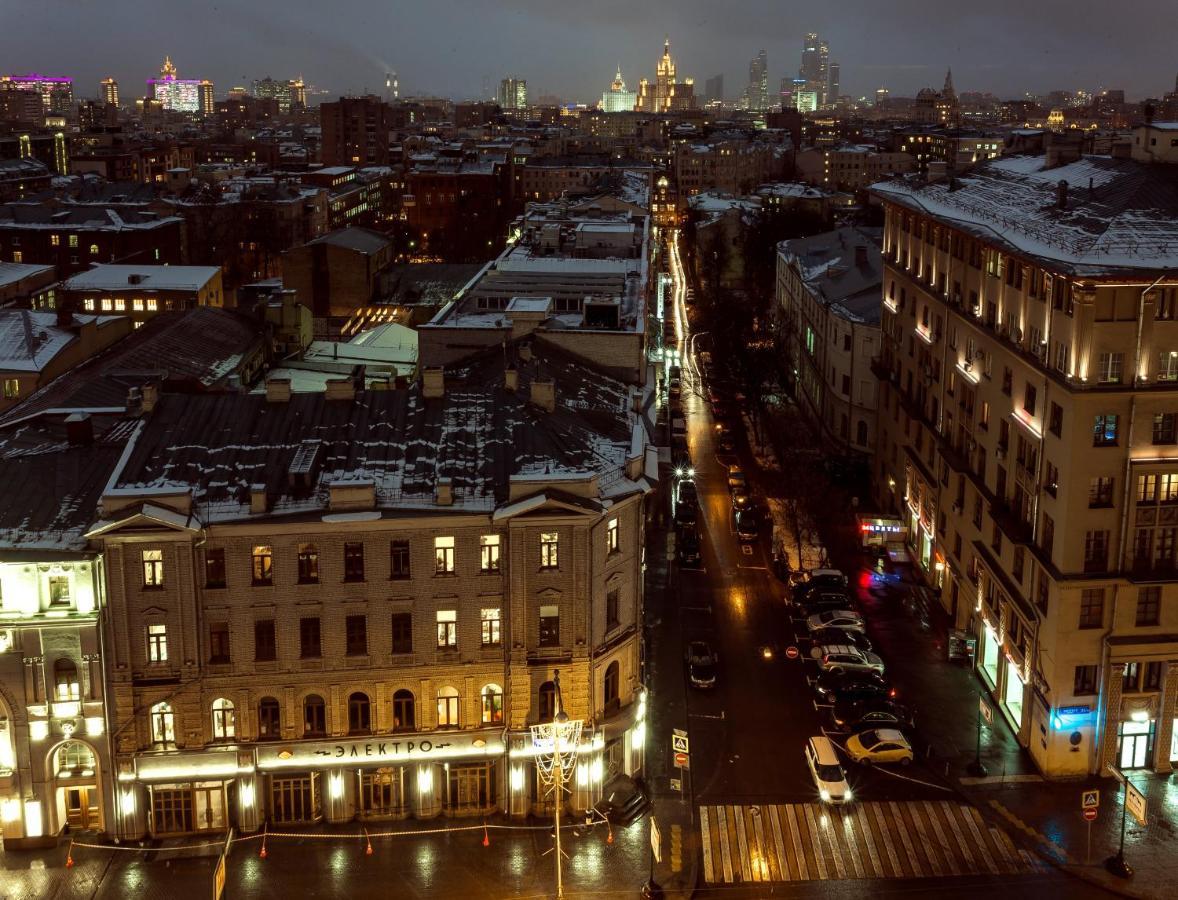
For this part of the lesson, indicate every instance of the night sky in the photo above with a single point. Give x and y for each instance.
(459, 47)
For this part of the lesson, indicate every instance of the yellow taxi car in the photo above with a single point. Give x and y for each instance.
(879, 745)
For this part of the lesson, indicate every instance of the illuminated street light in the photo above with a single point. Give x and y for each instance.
(556, 743)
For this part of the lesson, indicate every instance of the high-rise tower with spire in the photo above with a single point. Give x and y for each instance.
(617, 98)
(667, 93)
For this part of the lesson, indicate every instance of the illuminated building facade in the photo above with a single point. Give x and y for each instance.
(108, 91)
(513, 94)
(288, 94)
(181, 94)
(56, 92)
(666, 93)
(617, 98)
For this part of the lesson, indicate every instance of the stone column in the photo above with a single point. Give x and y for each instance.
(1146, 362)
(1112, 716)
(1084, 313)
(1165, 722)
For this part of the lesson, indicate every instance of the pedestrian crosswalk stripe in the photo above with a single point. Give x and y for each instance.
(806, 841)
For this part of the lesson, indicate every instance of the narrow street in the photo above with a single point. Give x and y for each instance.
(758, 811)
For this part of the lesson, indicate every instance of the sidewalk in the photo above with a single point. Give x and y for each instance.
(667, 703)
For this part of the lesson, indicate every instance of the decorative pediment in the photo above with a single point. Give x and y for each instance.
(147, 516)
(547, 503)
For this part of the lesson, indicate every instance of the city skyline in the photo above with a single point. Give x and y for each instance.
(351, 50)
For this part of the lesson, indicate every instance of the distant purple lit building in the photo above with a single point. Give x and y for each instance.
(181, 94)
(57, 92)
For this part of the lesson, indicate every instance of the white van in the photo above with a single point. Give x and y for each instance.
(826, 771)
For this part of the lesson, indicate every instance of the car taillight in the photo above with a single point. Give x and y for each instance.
(892, 692)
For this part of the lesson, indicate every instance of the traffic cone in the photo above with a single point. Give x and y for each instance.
(486, 836)
(610, 837)
(368, 849)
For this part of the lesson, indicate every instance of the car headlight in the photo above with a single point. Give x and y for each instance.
(824, 794)
(848, 795)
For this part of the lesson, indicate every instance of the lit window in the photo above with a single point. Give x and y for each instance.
(59, 590)
(93, 249)
(88, 304)
(55, 240)
(153, 568)
(263, 565)
(491, 626)
(65, 680)
(11, 388)
(152, 304)
(549, 626)
(17, 256)
(492, 704)
(447, 629)
(163, 724)
(448, 708)
(489, 553)
(444, 556)
(137, 304)
(106, 304)
(73, 240)
(611, 536)
(224, 721)
(549, 544)
(157, 643)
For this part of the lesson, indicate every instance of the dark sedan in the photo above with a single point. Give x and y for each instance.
(871, 712)
(850, 685)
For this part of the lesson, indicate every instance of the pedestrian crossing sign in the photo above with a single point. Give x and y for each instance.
(1090, 799)
(679, 743)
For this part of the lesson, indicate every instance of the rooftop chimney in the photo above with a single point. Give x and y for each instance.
(134, 401)
(340, 389)
(433, 383)
(511, 380)
(544, 394)
(444, 493)
(1061, 194)
(259, 503)
(151, 396)
(65, 315)
(79, 429)
(278, 390)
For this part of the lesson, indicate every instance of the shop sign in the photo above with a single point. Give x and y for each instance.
(409, 748)
(1074, 710)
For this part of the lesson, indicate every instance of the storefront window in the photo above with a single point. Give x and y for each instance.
(294, 798)
(171, 809)
(471, 788)
(1135, 744)
(990, 655)
(1013, 696)
(382, 792)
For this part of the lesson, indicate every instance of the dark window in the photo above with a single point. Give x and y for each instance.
(1029, 399)
(265, 646)
(1129, 681)
(215, 567)
(1007, 381)
(314, 715)
(1085, 682)
(65, 680)
(1164, 430)
(1042, 592)
(219, 642)
(611, 608)
(309, 643)
(398, 559)
(403, 711)
(1055, 425)
(1100, 491)
(1153, 677)
(359, 714)
(269, 719)
(1047, 535)
(356, 631)
(1092, 607)
(1104, 431)
(549, 626)
(612, 685)
(402, 632)
(354, 562)
(308, 564)
(1149, 601)
(547, 701)
(1096, 550)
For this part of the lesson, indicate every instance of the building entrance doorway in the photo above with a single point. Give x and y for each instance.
(82, 809)
(1136, 738)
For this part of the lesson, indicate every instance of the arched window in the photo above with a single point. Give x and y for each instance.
(404, 714)
(314, 716)
(224, 720)
(359, 714)
(74, 758)
(547, 701)
(269, 719)
(861, 433)
(447, 707)
(492, 704)
(65, 680)
(612, 686)
(163, 724)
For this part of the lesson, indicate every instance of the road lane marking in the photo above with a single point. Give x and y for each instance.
(706, 843)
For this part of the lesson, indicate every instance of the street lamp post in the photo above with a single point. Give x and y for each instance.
(976, 768)
(1116, 864)
(557, 743)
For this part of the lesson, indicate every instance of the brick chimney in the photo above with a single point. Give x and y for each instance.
(544, 394)
(259, 502)
(151, 396)
(511, 380)
(79, 429)
(444, 493)
(278, 390)
(433, 383)
(340, 389)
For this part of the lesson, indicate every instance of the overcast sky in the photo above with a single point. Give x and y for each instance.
(571, 47)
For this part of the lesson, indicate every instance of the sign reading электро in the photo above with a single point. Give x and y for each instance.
(408, 748)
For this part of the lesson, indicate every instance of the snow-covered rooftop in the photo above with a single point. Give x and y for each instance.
(30, 340)
(142, 278)
(1120, 215)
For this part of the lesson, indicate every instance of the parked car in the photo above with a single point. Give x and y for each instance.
(747, 527)
(847, 685)
(688, 547)
(827, 771)
(701, 665)
(826, 636)
(871, 712)
(686, 493)
(821, 602)
(845, 658)
(842, 619)
(686, 515)
(741, 501)
(737, 478)
(879, 745)
(821, 579)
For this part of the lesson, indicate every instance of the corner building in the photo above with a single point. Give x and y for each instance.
(353, 605)
(1029, 438)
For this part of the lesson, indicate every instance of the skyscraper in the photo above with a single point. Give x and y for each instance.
(758, 92)
(205, 97)
(288, 94)
(816, 66)
(108, 91)
(617, 98)
(513, 93)
(57, 93)
(714, 88)
(180, 94)
(667, 92)
(832, 89)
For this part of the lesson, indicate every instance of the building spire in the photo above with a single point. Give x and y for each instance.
(948, 89)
